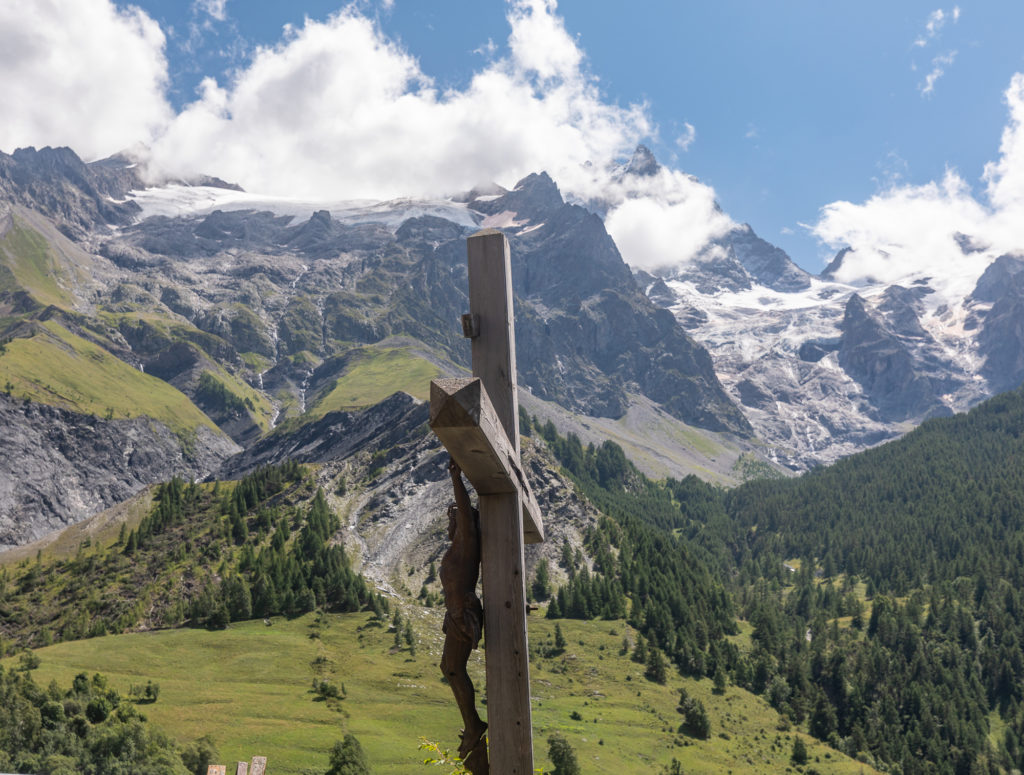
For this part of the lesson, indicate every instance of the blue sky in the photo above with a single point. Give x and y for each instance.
(781, 109)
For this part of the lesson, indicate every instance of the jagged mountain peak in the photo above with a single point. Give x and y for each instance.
(532, 200)
(830, 271)
(643, 163)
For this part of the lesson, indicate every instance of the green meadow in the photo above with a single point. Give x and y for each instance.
(374, 375)
(250, 688)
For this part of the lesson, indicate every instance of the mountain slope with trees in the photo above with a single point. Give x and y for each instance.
(882, 594)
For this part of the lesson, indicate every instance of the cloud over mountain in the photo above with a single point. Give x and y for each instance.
(81, 73)
(338, 110)
(909, 229)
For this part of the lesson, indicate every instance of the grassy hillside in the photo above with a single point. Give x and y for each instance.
(30, 265)
(372, 375)
(249, 688)
(55, 366)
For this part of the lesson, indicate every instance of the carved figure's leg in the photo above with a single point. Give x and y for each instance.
(453, 665)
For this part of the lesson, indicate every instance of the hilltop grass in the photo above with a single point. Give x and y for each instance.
(249, 688)
(60, 368)
(32, 265)
(373, 376)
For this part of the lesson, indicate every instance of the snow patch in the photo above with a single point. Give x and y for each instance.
(176, 201)
(506, 219)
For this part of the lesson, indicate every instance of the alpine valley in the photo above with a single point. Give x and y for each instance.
(213, 412)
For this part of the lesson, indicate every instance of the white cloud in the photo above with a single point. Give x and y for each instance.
(487, 49)
(215, 8)
(939, 65)
(539, 41)
(663, 220)
(1005, 177)
(337, 110)
(687, 138)
(934, 24)
(907, 230)
(80, 73)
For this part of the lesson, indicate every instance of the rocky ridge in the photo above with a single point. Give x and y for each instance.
(824, 369)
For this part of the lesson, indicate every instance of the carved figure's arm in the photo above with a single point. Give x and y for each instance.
(461, 496)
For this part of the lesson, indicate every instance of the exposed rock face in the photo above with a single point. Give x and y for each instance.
(829, 369)
(875, 352)
(767, 264)
(397, 522)
(55, 182)
(59, 467)
(336, 436)
(586, 331)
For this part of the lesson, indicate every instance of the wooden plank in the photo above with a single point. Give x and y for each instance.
(506, 652)
(462, 417)
(510, 734)
(494, 348)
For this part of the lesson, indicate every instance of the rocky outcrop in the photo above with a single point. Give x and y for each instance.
(59, 467)
(766, 263)
(877, 358)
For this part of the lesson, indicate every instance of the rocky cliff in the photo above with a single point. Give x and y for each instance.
(59, 467)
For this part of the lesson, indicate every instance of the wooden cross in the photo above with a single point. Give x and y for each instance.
(477, 420)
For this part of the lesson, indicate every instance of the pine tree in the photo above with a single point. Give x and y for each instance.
(655, 666)
(541, 587)
(799, 750)
(719, 680)
(560, 642)
(562, 756)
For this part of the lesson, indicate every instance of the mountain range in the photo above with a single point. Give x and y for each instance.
(158, 330)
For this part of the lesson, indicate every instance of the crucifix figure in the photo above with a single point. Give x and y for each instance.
(477, 420)
(464, 619)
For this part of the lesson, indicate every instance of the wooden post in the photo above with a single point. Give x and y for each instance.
(510, 733)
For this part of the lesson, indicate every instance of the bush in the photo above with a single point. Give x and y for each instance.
(348, 758)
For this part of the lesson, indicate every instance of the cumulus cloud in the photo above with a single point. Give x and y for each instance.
(664, 221)
(80, 73)
(912, 230)
(337, 110)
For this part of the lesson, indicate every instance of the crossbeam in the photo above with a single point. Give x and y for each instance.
(463, 418)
